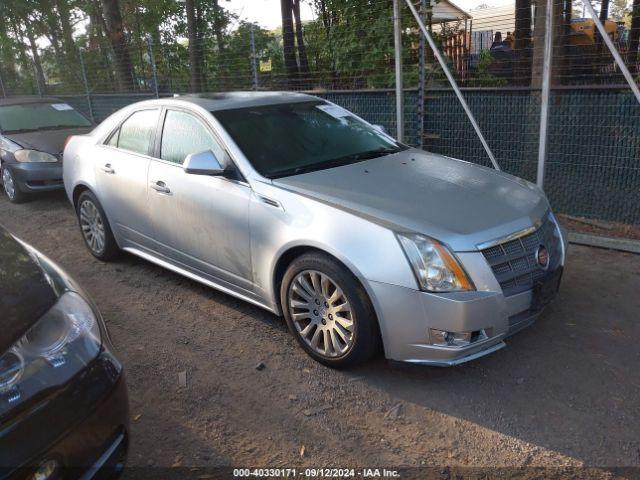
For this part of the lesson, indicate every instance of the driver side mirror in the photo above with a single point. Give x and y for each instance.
(203, 163)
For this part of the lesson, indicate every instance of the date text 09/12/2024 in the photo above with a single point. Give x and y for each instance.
(316, 473)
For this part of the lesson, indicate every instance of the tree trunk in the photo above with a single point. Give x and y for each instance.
(218, 30)
(115, 32)
(218, 26)
(328, 25)
(67, 31)
(302, 50)
(97, 30)
(53, 34)
(634, 36)
(7, 62)
(195, 67)
(36, 59)
(289, 42)
(523, 42)
(604, 10)
(200, 28)
(557, 60)
(25, 64)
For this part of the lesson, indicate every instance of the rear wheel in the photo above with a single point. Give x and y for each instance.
(10, 187)
(95, 229)
(328, 311)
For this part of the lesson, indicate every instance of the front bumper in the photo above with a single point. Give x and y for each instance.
(84, 427)
(406, 316)
(37, 177)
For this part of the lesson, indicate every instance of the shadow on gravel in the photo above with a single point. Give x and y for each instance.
(570, 383)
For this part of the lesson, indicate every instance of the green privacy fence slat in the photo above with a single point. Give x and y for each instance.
(379, 107)
(593, 166)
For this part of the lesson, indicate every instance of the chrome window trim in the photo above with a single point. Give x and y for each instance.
(127, 152)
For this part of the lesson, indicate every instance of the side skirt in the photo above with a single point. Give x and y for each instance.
(198, 278)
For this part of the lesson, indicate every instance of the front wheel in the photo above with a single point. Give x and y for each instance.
(11, 187)
(95, 228)
(328, 311)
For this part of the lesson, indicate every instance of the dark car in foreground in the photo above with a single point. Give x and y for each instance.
(32, 136)
(63, 400)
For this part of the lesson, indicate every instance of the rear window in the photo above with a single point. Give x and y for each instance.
(40, 116)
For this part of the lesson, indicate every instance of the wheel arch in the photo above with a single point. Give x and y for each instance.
(290, 253)
(77, 191)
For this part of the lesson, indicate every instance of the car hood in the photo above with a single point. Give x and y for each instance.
(25, 290)
(49, 141)
(459, 203)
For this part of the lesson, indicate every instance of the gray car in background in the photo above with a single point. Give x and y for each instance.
(297, 205)
(32, 135)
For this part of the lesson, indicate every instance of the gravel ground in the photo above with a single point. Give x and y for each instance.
(566, 391)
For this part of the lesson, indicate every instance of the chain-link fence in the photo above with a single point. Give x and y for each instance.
(346, 54)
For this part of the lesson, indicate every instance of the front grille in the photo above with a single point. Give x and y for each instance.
(514, 263)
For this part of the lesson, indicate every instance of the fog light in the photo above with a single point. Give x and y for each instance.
(444, 338)
(47, 471)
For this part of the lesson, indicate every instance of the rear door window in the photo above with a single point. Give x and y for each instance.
(136, 133)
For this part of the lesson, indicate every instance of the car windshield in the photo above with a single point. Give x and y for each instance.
(28, 117)
(294, 138)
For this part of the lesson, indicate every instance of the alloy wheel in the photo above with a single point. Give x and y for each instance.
(92, 226)
(9, 185)
(321, 313)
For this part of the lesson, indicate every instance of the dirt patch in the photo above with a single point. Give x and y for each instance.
(564, 392)
(600, 227)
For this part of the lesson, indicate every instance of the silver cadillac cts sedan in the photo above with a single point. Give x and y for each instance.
(297, 205)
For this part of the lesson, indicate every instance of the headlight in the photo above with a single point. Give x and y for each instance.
(33, 156)
(59, 345)
(435, 267)
(8, 146)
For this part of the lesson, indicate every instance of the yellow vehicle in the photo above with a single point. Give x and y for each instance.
(583, 31)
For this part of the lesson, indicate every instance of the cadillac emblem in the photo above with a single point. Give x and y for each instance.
(542, 257)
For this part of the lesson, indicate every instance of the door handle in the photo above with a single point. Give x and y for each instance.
(107, 169)
(160, 187)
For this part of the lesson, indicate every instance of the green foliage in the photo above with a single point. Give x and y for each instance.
(484, 77)
(349, 46)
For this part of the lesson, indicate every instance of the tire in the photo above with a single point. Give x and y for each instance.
(95, 229)
(10, 187)
(311, 280)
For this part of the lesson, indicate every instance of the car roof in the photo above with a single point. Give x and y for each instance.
(232, 100)
(26, 100)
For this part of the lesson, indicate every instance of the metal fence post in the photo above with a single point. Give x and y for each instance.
(4, 92)
(616, 55)
(87, 92)
(254, 66)
(154, 71)
(544, 96)
(454, 84)
(397, 40)
(421, 77)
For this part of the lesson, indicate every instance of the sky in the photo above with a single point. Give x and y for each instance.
(264, 12)
(267, 12)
